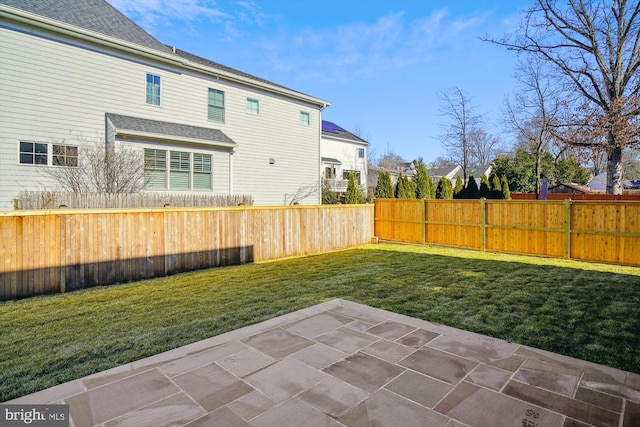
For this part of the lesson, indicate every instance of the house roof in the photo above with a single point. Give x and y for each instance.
(599, 182)
(574, 186)
(331, 160)
(99, 17)
(332, 129)
(94, 15)
(135, 126)
(203, 61)
(440, 172)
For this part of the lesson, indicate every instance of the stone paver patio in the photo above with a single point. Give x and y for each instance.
(345, 364)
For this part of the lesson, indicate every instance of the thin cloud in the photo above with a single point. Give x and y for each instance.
(360, 50)
(152, 14)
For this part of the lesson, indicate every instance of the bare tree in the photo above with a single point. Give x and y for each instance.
(533, 111)
(102, 170)
(304, 191)
(463, 122)
(483, 147)
(594, 48)
(392, 161)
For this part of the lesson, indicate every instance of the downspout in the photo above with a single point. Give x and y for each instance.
(319, 165)
(233, 150)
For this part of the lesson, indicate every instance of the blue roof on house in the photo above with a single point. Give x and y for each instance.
(332, 129)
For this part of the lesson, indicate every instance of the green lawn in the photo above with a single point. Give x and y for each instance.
(589, 311)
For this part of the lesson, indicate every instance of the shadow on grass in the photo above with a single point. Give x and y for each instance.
(580, 310)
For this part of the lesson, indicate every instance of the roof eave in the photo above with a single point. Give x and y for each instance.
(161, 136)
(45, 23)
(338, 138)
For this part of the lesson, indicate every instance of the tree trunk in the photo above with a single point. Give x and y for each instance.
(614, 170)
(538, 172)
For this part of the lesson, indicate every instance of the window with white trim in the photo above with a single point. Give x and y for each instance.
(253, 106)
(201, 171)
(183, 171)
(180, 169)
(153, 89)
(215, 110)
(44, 153)
(155, 168)
(361, 153)
(305, 119)
(34, 153)
(356, 174)
(64, 155)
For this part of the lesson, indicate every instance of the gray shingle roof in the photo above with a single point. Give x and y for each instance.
(175, 130)
(203, 61)
(94, 15)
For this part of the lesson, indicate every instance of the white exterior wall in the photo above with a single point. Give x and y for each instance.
(347, 152)
(52, 91)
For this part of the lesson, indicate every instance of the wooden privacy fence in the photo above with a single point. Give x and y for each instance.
(56, 251)
(582, 230)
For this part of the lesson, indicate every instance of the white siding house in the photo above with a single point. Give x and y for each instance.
(77, 72)
(342, 152)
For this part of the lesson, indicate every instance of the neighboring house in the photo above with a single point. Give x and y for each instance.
(78, 72)
(342, 152)
(449, 172)
(569, 188)
(599, 183)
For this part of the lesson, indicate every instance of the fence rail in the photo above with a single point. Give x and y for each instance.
(53, 251)
(52, 200)
(602, 231)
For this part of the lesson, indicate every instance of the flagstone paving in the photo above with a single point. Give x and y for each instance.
(345, 364)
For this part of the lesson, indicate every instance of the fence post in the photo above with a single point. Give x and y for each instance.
(567, 228)
(483, 224)
(423, 224)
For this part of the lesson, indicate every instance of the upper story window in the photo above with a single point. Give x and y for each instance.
(216, 105)
(153, 89)
(41, 153)
(361, 153)
(253, 106)
(305, 119)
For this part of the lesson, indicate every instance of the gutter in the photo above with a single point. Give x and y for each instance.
(23, 17)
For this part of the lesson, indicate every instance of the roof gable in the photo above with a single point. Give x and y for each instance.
(93, 15)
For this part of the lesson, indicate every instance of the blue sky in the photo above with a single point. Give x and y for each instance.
(380, 63)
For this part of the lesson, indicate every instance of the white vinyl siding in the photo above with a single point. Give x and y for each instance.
(153, 89)
(50, 94)
(216, 105)
(179, 170)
